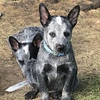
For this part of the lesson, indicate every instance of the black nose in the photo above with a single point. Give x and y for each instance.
(60, 47)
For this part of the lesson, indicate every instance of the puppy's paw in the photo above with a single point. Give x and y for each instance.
(30, 95)
(65, 96)
(55, 95)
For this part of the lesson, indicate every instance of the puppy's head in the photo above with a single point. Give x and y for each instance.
(58, 29)
(25, 51)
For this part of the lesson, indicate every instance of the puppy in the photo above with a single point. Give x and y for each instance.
(25, 45)
(56, 68)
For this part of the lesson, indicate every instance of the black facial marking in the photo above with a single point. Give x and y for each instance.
(14, 50)
(33, 51)
(21, 62)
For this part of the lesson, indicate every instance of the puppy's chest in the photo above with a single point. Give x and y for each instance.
(55, 72)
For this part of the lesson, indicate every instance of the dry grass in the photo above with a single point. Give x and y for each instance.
(86, 42)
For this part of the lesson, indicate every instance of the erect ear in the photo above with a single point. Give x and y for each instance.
(37, 39)
(45, 16)
(13, 43)
(73, 15)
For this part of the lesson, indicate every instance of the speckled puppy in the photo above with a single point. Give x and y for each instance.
(25, 46)
(56, 66)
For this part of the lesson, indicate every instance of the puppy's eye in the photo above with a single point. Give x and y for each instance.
(66, 34)
(52, 34)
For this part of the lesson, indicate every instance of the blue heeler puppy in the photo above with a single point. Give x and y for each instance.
(25, 45)
(56, 68)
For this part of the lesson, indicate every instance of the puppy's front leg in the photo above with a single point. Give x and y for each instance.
(67, 89)
(44, 94)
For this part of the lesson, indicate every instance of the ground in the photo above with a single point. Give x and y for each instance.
(18, 14)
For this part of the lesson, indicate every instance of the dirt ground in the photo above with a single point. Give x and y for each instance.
(18, 14)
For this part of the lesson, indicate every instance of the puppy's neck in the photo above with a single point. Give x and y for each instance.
(52, 52)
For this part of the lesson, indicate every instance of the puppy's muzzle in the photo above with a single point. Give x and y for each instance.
(60, 48)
